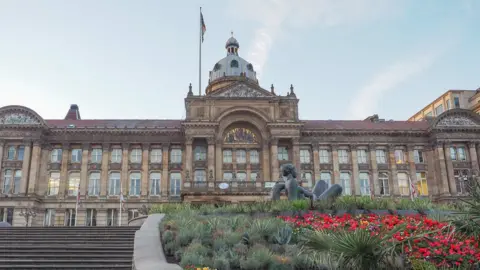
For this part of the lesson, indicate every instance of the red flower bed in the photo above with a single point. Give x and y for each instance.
(437, 242)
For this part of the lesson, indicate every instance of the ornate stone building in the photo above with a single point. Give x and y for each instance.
(229, 148)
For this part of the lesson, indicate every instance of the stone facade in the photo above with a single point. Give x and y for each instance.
(229, 148)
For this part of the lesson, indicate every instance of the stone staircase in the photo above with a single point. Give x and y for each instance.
(67, 247)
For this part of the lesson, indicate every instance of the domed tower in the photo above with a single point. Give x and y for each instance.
(231, 68)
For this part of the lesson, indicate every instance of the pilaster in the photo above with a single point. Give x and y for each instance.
(64, 170)
(25, 166)
(35, 167)
(354, 181)
(145, 174)
(210, 158)
(296, 153)
(104, 173)
(442, 170)
(473, 157)
(316, 162)
(2, 145)
(374, 185)
(165, 177)
(84, 169)
(336, 165)
(411, 164)
(394, 189)
(188, 157)
(274, 159)
(266, 163)
(449, 166)
(124, 174)
(218, 161)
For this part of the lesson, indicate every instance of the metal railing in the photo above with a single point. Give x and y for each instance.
(224, 187)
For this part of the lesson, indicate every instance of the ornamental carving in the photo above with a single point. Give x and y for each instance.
(18, 119)
(240, 136)
(456, 121)
(242, 91)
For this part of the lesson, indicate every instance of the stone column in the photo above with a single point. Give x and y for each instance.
(2, 144)
(442, 170)
(124, 173)
(374, 185)
(354, 181)
(218, 161)
(394, 190)
(265, 162)
(25, 166)
(411, 165)
(165, 177)
(43, 175)
(145, 174)
(274, 159)
(296, 155)
(64, 170)
(316, 162)
(336, 165)
(188, 158)
(84, 169)
(450, 176)
(473, 157)
(211, 158)
(104, 174)
(35, 167)
(433, 181)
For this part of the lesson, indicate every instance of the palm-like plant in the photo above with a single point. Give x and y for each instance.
(469, 220)
(358, 249)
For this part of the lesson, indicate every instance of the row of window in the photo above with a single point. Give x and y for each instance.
(116, 155)
(114, 184)
(241, 156)
(11, 181)
(15, 152)
(90, 217)
(401, 157)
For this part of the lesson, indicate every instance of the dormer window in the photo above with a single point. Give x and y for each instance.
(234, 64)
(217, 67)
(250, 67)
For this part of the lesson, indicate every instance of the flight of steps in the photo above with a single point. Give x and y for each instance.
(67, 247)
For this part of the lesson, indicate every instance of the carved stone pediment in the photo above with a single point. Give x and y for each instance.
(456, 120)
(242, 91)
(18, 119)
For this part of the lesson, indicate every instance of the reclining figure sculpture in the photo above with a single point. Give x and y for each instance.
(321, 191)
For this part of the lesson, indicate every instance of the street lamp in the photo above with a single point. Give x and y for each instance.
(27, 213)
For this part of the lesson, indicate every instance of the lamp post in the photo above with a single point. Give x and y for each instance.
(27, 213)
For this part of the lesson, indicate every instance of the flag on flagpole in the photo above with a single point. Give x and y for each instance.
(202, 25)
(122, 202)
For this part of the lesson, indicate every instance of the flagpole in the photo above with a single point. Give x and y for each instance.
(76, 205)
(121, 199)
(200, 55)
(411, 188)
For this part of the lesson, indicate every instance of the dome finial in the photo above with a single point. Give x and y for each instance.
(232, 45)
(231, 32)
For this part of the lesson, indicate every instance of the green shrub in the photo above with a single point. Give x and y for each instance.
(258, 257)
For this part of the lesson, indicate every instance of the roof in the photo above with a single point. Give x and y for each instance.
(365, 125)
(120, 123)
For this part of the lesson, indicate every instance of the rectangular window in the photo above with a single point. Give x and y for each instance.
(254, 157)
(439, 110)
(254, 176)
(327, 177)
(383, 182)
(241, 176)
(421, 186)
(462, 181)
(227, 176)
(96, 156)
(17, 178)
(6, 215)
(175, 184)
(418, 156)
(200, 153)
(73, 183)
(94, 184)
(135, 184)
(305, 156)
(307, 178)
(200, 176)
(8, 182)
(345, 182)
(227, 156)
(49, 218)
(400, 157)
(364, 184)
(21, 152)
(136, 156)
(91, 219)
(458, 154)
(56, 156)
(282, 153)
(241, 156)
(155, 178)
(114, 183)
(456, 102)
(76, 156)
(112, 217)
(403, 184)
(343, 156)
(324, 156)
(11, 153)
(362, 156)
(156, 156)
(70, 218)
(116, 156)
(53, 183)
(176, 156)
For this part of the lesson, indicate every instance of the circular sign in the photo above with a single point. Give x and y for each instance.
(223, 186)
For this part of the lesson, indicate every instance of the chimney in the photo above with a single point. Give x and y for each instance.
(73, 113)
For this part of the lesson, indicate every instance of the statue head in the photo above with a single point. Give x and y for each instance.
(288, 169)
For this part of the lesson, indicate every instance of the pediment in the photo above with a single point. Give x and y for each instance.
(242, 90)
(17, 115)
(457, 121)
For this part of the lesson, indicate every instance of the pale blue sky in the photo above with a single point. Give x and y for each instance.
(135, 58)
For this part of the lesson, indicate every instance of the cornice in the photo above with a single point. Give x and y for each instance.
(314, 133)
(146, 131)
(298, 125)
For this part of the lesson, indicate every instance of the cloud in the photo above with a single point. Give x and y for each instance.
(275, 16)
(365, 102)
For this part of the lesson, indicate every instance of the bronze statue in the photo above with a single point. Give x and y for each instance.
(321, 191)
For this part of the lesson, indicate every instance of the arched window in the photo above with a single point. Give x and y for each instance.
(234, 64)
(241, 136)
(250, 67)
(217, 67)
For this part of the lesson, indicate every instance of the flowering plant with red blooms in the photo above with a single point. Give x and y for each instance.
(423, 238)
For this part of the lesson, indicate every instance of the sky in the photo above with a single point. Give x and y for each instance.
(126, 59)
